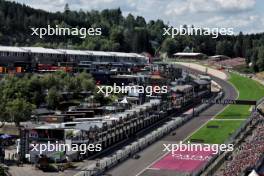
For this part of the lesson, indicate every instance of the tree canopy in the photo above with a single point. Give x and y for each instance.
(20, 96)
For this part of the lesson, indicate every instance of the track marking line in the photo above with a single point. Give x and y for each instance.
(227, 119)
(151, 168)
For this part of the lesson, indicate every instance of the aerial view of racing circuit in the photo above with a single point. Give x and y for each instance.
(131, 88)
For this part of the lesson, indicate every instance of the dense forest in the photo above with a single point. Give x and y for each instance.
(119, 33)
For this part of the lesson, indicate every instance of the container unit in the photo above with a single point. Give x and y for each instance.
(119, 155)
(134, 147)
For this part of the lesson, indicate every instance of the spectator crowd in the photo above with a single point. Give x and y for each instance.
(248, 153)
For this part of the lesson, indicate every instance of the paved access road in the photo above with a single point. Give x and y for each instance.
(139, 167)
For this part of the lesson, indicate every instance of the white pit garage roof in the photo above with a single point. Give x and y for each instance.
(12, 49)
(98, 53)
(73, 52)
(66, 51)
(122, 54)
(42, 50)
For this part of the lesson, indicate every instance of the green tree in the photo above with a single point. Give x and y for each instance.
(36, 90)
(86, 81)
(53, 80)
(19, 110)
(224, 48)
(169, 46)
(53, 98)
(140, 21)
(260, 61)
(130, 22)
(71, 84)
(254, 58)
(140, 42)
(117, 37)
(66, 8)
(3, 115)
(238, 49)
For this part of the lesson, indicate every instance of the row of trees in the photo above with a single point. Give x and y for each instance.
(119, 33)
(19, 96)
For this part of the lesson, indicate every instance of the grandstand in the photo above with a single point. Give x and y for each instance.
(245, 158)
(221, 62)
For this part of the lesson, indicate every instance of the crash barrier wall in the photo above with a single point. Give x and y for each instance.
(106, 163)
(233, 139)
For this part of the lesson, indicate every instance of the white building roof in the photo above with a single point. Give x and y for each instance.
(67, 51)
(41, 50)
(49, 126)
(187, 54)
(98, 53)
(72, 52)
(11, 49)
(219, 56)
(122, 54)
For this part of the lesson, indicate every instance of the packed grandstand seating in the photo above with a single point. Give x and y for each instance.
(247, 154)
(227, 63)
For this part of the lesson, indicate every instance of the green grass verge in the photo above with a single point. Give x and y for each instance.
(217, 135)
(248, 89)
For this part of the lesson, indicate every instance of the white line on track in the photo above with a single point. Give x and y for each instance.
(227, 119)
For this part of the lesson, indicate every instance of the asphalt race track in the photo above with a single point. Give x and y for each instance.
(150, 155)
